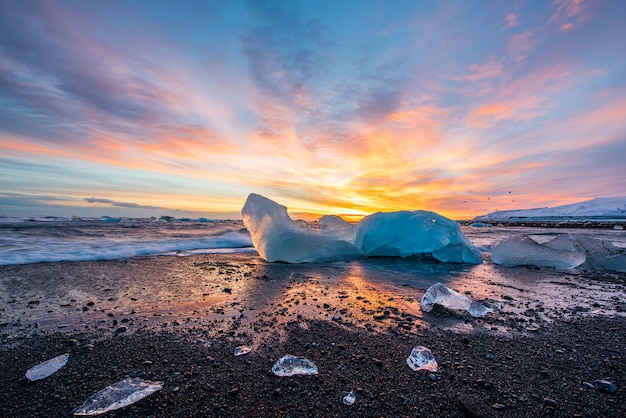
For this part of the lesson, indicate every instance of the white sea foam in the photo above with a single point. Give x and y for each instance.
(34, 242)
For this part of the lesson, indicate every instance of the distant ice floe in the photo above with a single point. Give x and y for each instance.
(566, 251)
(397, 234)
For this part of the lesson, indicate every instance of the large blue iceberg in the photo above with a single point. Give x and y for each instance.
(397, 234)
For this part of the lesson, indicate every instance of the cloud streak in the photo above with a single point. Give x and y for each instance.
(122, 204)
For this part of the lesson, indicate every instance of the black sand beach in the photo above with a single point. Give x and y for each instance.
(177, 320)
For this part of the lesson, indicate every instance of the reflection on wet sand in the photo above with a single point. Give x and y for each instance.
(243, 297)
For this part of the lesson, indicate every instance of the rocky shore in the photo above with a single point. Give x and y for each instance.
(178, 320)
(551, 372)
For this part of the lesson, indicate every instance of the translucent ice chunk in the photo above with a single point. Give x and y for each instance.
(335, 227)
(565, 251)
(564, 242)
(439, 294)
(522, 250)
(118, 395)
(48, 367)
(422, 358)
(242, 349)
(601, 255)
(350, 398)
(277, 238)
(289, 366)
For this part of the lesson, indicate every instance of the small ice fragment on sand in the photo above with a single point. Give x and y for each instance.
(290, 365)
(439, 294)
(48, 367)
(422, 358)
(118, 395)
(606, 386)
(242, 349)
(349, 398)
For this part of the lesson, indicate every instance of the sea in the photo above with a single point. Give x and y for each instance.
(26, 240)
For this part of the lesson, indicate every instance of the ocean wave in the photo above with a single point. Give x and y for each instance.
(94, 241)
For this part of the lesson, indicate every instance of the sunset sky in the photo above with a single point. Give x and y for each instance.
(183, 108)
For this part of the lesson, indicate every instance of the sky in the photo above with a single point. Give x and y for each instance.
(183, 108)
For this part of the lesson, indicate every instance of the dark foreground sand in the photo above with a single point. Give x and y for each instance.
(541, 368)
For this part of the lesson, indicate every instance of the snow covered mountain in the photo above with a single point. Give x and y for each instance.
(598, 208)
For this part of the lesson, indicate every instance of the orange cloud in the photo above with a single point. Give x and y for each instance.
(526, 108)
(170, 151)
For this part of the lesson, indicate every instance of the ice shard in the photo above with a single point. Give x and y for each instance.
(440, 294)
(290, 365)
(48, 367)
(422, 358)
(349, 398)
(242, 349)
(118, 395)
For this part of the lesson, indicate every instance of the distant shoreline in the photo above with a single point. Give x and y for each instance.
(561, 222)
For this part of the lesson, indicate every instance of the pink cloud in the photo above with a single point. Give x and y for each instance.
(522, 99)
(521, 45)
(487, 70)
(511, 21)
(568, 14)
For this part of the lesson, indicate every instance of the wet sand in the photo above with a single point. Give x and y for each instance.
(178, 320)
